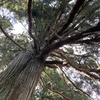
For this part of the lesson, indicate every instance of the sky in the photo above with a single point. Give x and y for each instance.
(17, 26)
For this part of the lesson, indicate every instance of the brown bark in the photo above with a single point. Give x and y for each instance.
(19, 80)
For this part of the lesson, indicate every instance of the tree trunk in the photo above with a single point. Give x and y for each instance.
(19, 80)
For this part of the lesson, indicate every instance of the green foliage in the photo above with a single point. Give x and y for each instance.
(5, 23)
(8, 50)
(17, 6)
(53, 80)
(44, 13)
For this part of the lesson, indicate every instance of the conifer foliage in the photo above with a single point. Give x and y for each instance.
(60, 36)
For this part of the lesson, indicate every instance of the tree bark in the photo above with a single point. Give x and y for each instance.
(19, 80)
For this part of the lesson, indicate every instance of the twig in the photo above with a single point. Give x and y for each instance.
(22, 48)
(50, 78)
(55, 25)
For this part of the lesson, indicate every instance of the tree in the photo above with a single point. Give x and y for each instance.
(55, 27)
(55, 81)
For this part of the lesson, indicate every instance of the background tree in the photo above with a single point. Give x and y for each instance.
(56, 28)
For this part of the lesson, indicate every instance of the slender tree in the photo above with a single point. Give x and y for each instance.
(52, 26)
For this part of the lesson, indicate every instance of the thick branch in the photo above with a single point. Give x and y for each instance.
(30, 23)
(63, 42)
(55, 62)
(51, 64)
(22, 48)
(30, 18)
(70, 19)
(90, 41)
(75, 38)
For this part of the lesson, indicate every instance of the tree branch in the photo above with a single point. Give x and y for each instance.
(67, 86)
(61, 10)
(63, 42)
(70, 19)
(71, 89)
(30, 24)
(77, 67)
(54, 91)
(22, 48)
(74, 39)
(84, 72)
(56, 62)
(51, 66)
(49, 77)
(64, 75)
(90, 41)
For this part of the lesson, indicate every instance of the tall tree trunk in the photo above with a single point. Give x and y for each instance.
(18, 82)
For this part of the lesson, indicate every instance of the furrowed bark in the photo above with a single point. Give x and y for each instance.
(19, 80)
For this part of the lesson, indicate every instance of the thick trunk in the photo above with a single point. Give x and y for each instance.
(18, 82)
